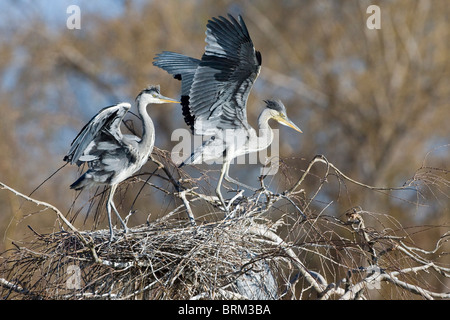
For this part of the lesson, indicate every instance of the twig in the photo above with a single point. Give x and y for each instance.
(60, 216)
(266, 233)
(391, 277)
(322, 159)
(169, 175)
(12, 286)
(190, 215)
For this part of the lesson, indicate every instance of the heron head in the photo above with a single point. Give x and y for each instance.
(151, 94)
(278, 113)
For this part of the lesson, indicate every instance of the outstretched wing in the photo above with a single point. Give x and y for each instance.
(100, 133)
(214, 90)
(224, 78)
(182, 68)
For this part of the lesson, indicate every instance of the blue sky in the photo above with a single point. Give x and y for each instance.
(54, 11)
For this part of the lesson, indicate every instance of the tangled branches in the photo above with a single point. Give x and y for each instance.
(269, 246)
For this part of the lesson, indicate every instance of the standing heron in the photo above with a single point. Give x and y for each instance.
(110, 155)
(214, 93)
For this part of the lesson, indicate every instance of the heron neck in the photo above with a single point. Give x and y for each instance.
(265, 135)
(263, 119)
(148, 129)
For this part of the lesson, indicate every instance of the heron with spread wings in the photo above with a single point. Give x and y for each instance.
(214, 93)
(110, 155)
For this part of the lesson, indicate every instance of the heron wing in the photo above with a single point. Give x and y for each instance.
(182, 68)
(224, 77)
(102, 132)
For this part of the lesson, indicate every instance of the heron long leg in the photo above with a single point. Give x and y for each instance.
(110, 204)
(124, 225)
(224, 170)
(108, 210)
(111, 201)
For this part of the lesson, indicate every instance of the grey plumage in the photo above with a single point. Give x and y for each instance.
(214, 93)
(100, 144)
(214, 90)
(182, 68)
(111, 156)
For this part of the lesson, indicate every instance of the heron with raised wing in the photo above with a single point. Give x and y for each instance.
(111, 156)
(214, 93)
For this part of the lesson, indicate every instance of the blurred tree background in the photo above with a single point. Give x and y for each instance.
(375, 103)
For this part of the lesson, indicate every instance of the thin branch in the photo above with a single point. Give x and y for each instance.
(266, 233)
(182, 195)
(322, 159)
(58, 213)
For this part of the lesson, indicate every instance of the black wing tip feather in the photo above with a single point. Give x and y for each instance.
(258, 57)
(188, 117)
(227, 28)
(231, 19)
(221, 22)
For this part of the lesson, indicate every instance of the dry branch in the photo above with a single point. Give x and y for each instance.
(251, 253)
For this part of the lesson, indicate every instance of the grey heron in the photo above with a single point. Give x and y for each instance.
(110, 155)
(214, 93)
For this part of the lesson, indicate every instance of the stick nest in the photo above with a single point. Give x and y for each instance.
(166, 259)
(266, 246)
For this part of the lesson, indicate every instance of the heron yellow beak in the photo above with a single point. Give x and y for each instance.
(167, 100)
(288, 123)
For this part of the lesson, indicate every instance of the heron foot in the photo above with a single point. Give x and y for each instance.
(111, 237)
(223, 205)
(114, 236)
